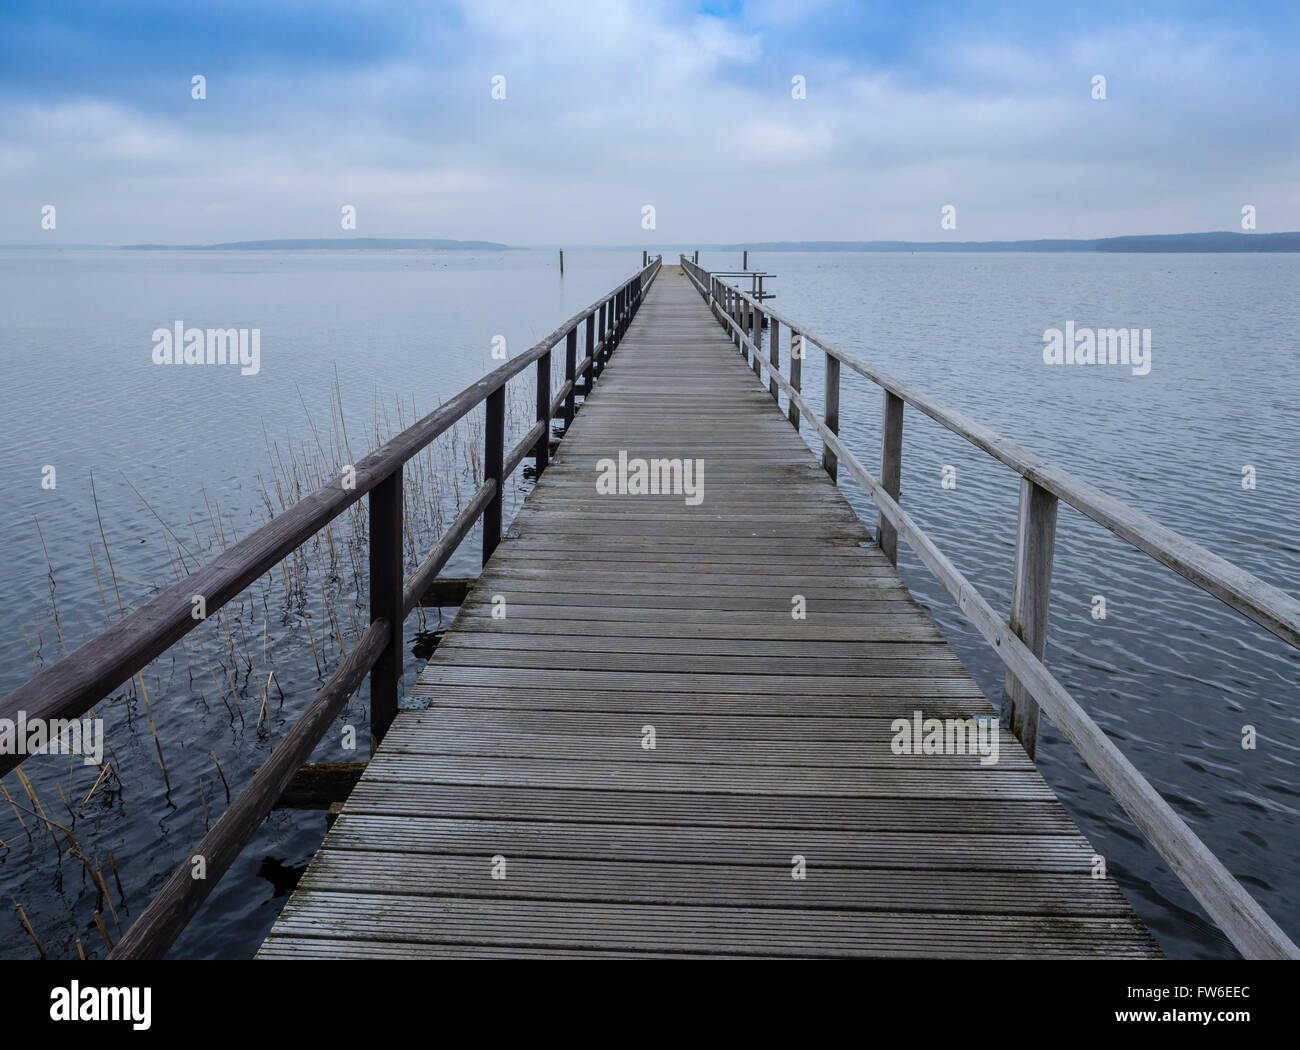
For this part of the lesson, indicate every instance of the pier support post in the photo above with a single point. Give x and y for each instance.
(796, 375)
(386, 600)
(571, 375)
(830, 461)
(891, 470)
(494, 450)
(773, 353)
(542, 450)
(1030, 598)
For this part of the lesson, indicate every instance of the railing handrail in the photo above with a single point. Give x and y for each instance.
(1020, 646)
(1269, 606)
(71, 686)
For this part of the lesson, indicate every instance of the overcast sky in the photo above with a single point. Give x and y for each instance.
(612, 105)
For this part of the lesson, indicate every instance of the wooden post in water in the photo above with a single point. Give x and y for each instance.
(891, 470)
(645, 259)
(386, 583)
(570, 376)
(697, 257)
(832, 417)
(561, 262)
(1031, 596)
(542, 451)
(796, 374)
(744, 261)
(494, 450)
(773, 354)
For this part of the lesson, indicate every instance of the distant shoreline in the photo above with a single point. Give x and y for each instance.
(1217, 242)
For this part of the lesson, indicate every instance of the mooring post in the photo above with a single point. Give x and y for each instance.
(1031, 595)
(744, 262)
(796, 373)
(829, 460)
(386, 600)
(571, 375)
(494, 450)
(773, 354)
(542, 450)
(645, 259)
(891, 469)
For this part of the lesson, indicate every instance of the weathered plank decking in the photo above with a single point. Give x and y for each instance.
(771, 733)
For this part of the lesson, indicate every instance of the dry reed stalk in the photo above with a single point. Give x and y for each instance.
(22, 917)
(103, 930)
(204, 800)
(104, 539)
(221, 773)
(154, 729)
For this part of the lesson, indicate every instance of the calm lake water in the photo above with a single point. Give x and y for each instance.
(1171, 674)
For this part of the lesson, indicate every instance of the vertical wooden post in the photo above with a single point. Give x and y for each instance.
(744, 261)
(829, 460)
(1031, 596)
(386, 600)
(645, 260)
(697, 257)
(571, 375)
(597, 361)
(590, 373)
(891, 469)
(542, 451)
(756, 326)
(796, 376)
(773, 354)
(494, 450)
(561, 262)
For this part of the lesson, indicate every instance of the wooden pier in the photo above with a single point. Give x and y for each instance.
(668, 723)
(524, 812)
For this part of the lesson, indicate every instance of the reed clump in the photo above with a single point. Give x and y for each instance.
(293, 626)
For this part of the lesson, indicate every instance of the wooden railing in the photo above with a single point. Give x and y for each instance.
(70, 687)
(1020, 640)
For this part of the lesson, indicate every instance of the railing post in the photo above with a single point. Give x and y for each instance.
(796, 376)
(571, 375)
(494, 450)
(756, 336)
(829, 460)
(542, 451)
(773, 354)
(597, 362)
(891, 469)
(386, 600)
(1031, 596)
(590, 372)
